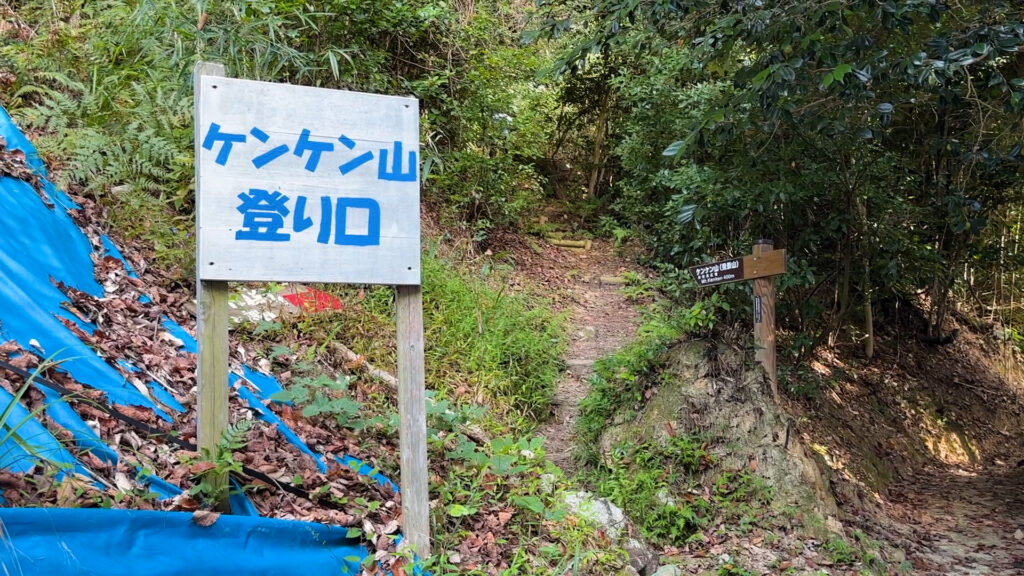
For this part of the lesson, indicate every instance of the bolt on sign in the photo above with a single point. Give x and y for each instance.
(306, 184)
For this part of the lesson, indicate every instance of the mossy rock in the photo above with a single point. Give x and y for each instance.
(710, 392)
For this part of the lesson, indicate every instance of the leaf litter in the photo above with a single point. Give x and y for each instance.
(131, 330)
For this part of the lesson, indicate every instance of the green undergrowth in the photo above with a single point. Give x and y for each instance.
(643, 481)
(503, 496)
(483, 335)
(485, 343)
(620, 380)
(510, 492)
(673, 489)
(150, 225)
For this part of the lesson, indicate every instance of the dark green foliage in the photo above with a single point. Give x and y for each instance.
(875, 141)
(645, 481)
(109, 86)
(486, 191)
(496, 124)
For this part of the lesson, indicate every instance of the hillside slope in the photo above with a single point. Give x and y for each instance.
(925, 442)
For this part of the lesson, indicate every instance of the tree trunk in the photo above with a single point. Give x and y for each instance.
(842, 305)
(599, 135)
(997, 289)
(865, 280)
(941, 287)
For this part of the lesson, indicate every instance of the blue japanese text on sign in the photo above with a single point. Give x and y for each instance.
(306, 184)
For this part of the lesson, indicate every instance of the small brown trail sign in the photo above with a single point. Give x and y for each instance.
(771, 263)
(761, 266)
(718, 272)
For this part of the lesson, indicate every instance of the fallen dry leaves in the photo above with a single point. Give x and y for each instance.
(132, 330)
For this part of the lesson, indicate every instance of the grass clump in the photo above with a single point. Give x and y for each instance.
(670, 490)
(644, 482)
(508, 343)
(485, 343)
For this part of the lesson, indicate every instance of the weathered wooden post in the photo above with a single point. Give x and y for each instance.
(761, 267)
(301, 184)
(764, 314)
(211, 330)
(412, 416)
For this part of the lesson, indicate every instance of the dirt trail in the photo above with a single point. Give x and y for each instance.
(950, 520)
(937, 431)
(601, 321)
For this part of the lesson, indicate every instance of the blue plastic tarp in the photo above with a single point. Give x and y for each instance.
(43, 245)
(59, 542)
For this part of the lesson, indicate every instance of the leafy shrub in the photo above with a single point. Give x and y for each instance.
(486, 191)
(644, 482)
(497, 126)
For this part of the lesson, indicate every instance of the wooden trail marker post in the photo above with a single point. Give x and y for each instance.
(762, 266)
(300, 184)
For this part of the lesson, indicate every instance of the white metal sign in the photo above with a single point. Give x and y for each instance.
(306, 184)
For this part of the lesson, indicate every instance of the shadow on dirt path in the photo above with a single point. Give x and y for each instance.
(957, 521)
(933, 437)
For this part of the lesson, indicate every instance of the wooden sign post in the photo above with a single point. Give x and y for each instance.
(300, 184)
(211, 338)
(761, 267)
(764, 313)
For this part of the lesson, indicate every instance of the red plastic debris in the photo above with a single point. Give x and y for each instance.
(313, 300)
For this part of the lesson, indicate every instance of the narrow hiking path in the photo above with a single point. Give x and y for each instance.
(953, 520)
(956, 520)
(602, 321)
(586, 284)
